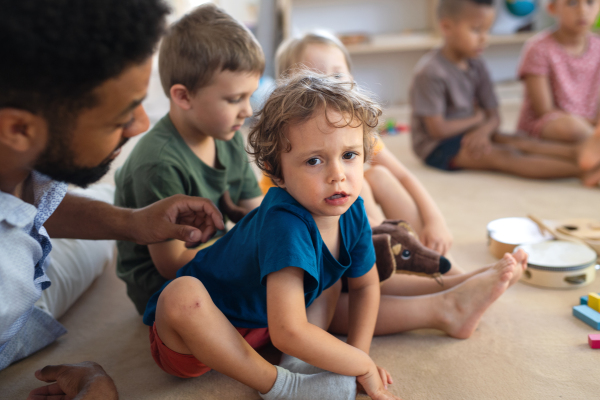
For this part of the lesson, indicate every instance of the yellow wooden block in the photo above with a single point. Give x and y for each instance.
(594, 301)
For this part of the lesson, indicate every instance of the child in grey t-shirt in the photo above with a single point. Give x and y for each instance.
(455, 117)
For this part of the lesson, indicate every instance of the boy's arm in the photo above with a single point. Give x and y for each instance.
(168, 257)
(292, 333)
(364, 295)
(435, 234)
(250, 204)
(540, 94)
(441, 128)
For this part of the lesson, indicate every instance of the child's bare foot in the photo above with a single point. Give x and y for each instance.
(591, 178)
(468, 301)
(521, 258)
(589, 156)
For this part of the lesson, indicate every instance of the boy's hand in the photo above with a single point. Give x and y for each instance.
(192, 220)
(373, 384)
(437, 237)
(478, 144)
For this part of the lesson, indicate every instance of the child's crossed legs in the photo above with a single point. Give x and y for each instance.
(508, 158)
(188, 322)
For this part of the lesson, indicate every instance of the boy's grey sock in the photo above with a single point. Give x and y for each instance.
(294, 364)
(324, 385)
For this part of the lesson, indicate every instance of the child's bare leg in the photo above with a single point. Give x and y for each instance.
(188, 322)
(415, 285)
(543, 147)
(393, 198)
(373, 210)
(396, 202)
(504, 158)
(567, 128)
(456, 311)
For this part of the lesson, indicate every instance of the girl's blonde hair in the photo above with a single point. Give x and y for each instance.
(289, 54)
(295, 101)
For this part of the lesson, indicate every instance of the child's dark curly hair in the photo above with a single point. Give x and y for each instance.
(295, 101)
(55, 52)
(454, 8)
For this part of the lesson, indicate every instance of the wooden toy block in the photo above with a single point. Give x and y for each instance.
(583, 300)
(587, 315)
(594, 341)
(594, 301)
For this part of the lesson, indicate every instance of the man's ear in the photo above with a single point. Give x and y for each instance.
(181, 96)
(22, 131)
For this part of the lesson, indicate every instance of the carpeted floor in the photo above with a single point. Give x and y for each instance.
(528, 346)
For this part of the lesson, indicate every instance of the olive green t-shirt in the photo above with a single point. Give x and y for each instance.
(162, 165)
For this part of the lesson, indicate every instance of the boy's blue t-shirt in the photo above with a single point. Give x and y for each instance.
(278, 234)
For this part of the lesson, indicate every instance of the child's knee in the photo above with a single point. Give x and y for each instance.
(571, 128)
(182, 297)
(377, 174)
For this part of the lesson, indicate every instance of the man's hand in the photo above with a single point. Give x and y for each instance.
(83, 381)
(437, 237)
(192, 220)
(477, 143)
(375, 382)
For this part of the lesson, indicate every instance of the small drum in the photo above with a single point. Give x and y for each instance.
(559, 264)
(505, 234)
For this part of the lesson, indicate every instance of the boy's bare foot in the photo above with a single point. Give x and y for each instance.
(521, 258)
(468, 301)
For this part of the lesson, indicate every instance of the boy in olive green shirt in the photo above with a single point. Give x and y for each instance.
(196, 149)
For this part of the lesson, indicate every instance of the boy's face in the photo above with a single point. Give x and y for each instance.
(577, 16)
(467, 34)
(323, 170)
(219, 109)
(326, 59)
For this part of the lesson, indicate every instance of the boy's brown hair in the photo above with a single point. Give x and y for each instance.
(289, 53)
(295, 101)
(205, 41)
(454, 8)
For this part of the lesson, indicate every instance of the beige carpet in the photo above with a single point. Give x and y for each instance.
(528, 346)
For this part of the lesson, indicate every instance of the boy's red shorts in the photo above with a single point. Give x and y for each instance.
(188, 366)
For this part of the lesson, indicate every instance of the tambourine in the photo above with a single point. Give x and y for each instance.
(559, 264)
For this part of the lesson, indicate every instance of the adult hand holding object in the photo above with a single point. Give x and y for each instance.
(83, 381)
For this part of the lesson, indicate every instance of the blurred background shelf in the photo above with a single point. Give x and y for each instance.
(421, 41)
(397, 34)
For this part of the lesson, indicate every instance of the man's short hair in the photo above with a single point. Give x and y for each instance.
(295, 101)
(454, 8)
(205, 41)
(56, 52)
(289, 53)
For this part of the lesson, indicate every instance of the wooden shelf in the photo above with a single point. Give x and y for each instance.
(421, 41)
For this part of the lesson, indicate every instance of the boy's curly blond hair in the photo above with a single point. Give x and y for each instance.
(295, 101)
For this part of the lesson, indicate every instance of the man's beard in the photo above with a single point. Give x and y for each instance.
(57, 162)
